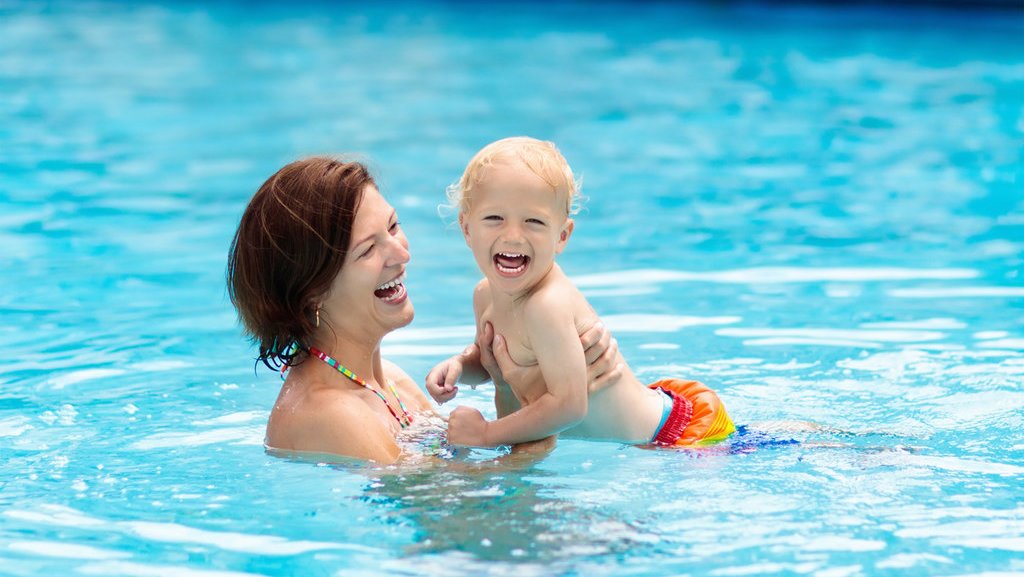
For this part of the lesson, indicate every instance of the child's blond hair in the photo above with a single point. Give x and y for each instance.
(541, 157)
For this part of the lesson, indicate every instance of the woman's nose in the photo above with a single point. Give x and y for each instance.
(398, 250)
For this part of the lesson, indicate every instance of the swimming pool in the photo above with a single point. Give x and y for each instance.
(818, 211)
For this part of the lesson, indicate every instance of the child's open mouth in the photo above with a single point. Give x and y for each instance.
(510, 263)
(392, 292)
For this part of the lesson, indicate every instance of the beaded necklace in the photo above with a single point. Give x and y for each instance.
(405, 420)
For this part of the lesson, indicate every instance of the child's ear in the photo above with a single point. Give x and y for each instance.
(563, 236)
(464, 225)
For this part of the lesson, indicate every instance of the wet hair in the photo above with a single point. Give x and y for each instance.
(540, 157)
(290, 245)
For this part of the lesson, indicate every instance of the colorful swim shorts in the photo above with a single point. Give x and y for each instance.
(696, 416)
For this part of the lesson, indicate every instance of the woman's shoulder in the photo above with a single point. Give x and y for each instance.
(322, 419)
(304, 407)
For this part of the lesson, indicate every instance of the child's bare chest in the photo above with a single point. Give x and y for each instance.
(512, 327)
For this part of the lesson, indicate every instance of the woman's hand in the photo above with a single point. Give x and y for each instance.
(602, 354)
(599, 348)
(498, 363)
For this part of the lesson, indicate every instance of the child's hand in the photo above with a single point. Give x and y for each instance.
(442, 379)
(467, 427)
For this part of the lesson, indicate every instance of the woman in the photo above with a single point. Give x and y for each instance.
(316, 271)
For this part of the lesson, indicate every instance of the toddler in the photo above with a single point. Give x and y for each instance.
(514, 200)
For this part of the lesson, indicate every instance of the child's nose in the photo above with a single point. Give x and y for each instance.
(513, 233)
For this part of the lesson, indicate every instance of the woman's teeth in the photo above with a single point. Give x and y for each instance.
(394, 283)
(391, 291)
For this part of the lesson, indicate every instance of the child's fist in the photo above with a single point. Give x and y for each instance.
(467, 427)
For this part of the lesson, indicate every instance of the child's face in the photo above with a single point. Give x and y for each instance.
(515, 226)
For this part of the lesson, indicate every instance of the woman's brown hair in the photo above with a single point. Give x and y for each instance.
(290, 245)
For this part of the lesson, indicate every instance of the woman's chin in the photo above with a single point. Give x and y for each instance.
(395, 315)
(407, 317)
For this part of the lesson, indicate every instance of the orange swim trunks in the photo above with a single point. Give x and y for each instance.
(697, 416)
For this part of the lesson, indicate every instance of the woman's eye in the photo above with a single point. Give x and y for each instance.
(367, 252)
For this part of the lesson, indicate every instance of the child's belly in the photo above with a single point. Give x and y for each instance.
(626, 412)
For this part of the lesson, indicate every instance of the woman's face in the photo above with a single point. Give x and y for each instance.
(368, 297)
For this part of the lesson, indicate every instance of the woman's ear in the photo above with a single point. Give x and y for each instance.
(563, 236)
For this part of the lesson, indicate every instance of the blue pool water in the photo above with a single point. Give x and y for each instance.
(817, 211)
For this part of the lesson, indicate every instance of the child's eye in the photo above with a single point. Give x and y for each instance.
(394, 228)
(535, 221)
(493, 217)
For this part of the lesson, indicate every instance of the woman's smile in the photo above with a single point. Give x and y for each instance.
(392, 292)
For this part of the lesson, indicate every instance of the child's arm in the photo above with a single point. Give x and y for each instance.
(499, 365)
(599, 348)
(552, 332)
(465, 367)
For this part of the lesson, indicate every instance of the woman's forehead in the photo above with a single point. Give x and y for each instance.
(372, 208)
